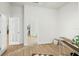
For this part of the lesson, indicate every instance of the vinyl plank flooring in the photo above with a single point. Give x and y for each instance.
(46, 49)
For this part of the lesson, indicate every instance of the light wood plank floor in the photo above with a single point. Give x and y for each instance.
(12, 48)
(49, 49)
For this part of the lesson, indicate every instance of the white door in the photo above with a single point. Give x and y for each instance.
(14, 30)
(3, 31)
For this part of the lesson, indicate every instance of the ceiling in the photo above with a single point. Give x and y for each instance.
(42, 4)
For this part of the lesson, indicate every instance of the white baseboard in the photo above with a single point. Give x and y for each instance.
(15, 43)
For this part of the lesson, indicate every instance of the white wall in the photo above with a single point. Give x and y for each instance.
(43, 23)
(46, 23)
(5, 8)
(16, 11)
(68, 20)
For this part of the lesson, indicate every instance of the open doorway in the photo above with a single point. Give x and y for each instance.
(14, 36)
